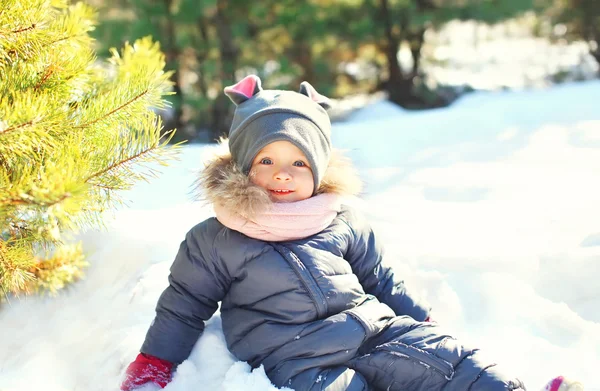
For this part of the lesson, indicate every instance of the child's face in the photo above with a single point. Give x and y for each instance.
(283, 170)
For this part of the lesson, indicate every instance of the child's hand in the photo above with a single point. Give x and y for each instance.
(147, 369)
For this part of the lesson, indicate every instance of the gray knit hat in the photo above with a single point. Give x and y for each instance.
(265, 116)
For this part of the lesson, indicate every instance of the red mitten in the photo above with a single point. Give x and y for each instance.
(147, 369)
(561, 383)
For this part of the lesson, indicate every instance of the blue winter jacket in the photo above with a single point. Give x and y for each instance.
(287, 305)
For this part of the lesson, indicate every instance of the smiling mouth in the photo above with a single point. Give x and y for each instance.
(281, 192)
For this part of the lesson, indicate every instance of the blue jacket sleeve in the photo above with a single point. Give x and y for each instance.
(366, 257)
(196, 284)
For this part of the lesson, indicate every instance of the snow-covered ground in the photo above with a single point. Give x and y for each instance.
(490, 208)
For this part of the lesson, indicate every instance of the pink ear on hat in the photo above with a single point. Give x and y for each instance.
(244, 89)
(308, 90)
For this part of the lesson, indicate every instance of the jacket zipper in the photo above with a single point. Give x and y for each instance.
(310, 284)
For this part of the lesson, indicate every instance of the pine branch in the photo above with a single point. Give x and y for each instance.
(8, 130)
(113, 111)
(20, 229)
(18, 31)
(47, 74)
(65, 38)
(122, 162)
(105, 187)
(33, 201)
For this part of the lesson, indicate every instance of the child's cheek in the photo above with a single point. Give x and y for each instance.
(255, 177)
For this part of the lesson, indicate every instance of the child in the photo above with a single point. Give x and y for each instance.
(303, 284)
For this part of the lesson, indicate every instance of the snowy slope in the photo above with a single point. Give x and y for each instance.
(489, 208)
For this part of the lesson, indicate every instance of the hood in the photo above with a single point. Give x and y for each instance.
(223, 182)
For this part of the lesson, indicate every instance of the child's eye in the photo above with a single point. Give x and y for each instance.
(299, 163)
(266, 161)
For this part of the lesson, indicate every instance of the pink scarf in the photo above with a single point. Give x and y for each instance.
(285, 220)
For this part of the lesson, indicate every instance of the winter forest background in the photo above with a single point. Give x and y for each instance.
(474, 124)
(423, 53)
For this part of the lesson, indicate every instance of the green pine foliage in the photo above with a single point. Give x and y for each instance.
(73, 134)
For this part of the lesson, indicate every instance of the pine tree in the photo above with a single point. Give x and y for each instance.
(73, 133)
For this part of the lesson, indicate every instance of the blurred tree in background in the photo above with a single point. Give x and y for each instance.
(342, 46)
(72, 132)
(581, 19)
(397, 22)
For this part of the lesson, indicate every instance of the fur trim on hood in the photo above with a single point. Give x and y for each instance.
(223, 182)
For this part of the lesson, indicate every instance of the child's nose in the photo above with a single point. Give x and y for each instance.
(282, 175)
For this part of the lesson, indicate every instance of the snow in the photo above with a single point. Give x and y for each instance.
(488, 208)
(379, 109)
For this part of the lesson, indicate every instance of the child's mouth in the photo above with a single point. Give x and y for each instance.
(281, 192)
